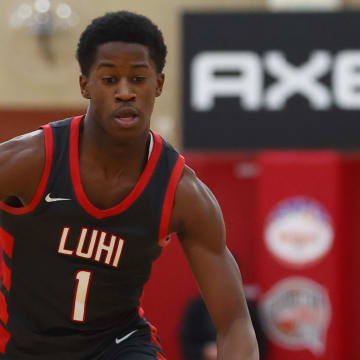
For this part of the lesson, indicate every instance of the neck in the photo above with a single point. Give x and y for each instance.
(112, 155)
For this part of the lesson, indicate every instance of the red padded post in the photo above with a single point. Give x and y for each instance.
(300, 253)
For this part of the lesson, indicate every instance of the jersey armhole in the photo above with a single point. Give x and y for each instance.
(49, 149)
(169, 200)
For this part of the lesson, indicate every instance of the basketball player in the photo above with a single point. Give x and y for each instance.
(98, 196)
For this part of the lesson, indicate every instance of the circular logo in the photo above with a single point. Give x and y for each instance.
(296, 314)
(299, 231)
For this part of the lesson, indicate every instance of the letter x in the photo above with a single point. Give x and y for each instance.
(292, 80)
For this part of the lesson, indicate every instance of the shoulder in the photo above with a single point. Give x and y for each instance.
(25, 142)
(195, 206)
(25, 147)
(21, 163)
(192, 189)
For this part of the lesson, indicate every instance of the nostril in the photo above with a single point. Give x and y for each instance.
(125, 97)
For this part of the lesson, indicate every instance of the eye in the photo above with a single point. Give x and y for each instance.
(109, 80)
(138, 79)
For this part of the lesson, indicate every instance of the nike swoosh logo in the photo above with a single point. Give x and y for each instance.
(50, 199)
(118, 341)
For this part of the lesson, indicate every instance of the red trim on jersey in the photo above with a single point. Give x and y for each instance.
(76, 179)
(5, 274)
(3, 309)
(155, 340)
(160, 357)
(141, 311)
(169, 200)
(6, 242)
(153, 331)
(49, 148)
(4, 338)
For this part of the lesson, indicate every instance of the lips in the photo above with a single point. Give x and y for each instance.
(126, 117)
(126, 112)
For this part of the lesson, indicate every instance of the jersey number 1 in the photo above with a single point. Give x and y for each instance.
(83, 278)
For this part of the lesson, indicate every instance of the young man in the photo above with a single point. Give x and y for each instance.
(99, 196)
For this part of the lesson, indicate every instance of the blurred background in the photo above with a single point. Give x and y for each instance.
(263, 98)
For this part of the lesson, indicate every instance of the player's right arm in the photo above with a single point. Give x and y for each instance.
(22, 161)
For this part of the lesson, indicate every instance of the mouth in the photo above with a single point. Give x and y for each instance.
(127, 117)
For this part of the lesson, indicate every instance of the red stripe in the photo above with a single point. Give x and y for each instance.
(49, 148)
(141, 311)
(153, 330)
(169, 200)
(154, 340)
(76, 179)
(6, 275)
(160, 357)
(3, 309)
(4, 338)
(6, 242)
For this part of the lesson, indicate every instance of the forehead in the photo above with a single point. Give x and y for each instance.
(122, 53)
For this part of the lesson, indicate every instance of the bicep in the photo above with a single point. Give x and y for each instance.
(213, 266)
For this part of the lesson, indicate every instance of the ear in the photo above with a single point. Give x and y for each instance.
(159, 83)
(83, 81)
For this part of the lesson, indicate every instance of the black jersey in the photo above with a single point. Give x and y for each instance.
(73, 274)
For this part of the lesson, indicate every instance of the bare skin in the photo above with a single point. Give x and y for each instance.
(121, 87)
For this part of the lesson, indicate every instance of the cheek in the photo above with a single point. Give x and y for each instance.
(149, 102)
(102, 96)
(150, 95)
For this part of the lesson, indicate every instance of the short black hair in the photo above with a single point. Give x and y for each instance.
(120, 26)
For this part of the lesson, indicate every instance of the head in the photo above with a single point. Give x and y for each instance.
(121, 26)
(121, 57)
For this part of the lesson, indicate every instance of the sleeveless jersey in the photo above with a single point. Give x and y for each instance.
(73, 274)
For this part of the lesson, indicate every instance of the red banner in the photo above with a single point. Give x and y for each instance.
(300, 254)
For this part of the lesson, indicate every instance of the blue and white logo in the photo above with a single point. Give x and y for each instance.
(299, 231)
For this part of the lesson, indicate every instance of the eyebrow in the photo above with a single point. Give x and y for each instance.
(111, 65)
(142, 65)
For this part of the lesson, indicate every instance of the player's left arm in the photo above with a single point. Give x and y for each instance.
(198, 220)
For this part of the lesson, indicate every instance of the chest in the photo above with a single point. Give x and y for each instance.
(106, 191)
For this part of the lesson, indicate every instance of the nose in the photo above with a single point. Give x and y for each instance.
(124, 91)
